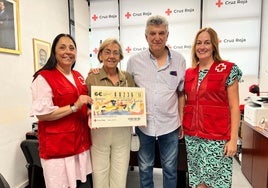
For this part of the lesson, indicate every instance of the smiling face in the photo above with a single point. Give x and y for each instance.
(65, 52)
(203, 47)
(110, 56)
(156, 36)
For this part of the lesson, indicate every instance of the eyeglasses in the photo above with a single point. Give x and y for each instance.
(108, 53)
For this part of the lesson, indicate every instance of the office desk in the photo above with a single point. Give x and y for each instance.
(254, 163)
(182, 163)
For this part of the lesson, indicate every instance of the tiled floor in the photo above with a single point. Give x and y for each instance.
(239, 180)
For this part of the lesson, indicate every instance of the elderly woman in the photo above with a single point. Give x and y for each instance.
(110, 145)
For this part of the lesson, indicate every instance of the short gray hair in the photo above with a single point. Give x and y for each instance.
(156, 20)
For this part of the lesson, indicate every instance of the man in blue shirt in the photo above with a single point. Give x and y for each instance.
(161, 72)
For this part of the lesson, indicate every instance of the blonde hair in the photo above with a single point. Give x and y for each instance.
(215, 45)
(107, 42)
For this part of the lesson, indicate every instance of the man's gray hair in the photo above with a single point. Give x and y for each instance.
(156, 20)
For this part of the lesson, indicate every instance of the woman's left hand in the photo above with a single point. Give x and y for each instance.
(230, 148)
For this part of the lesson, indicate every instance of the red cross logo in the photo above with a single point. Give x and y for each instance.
(221, 67)
(128, 49)
(82, 81)
(95, 50)
(95, 17)
(219, 3)
(168, 11)
(127, 15)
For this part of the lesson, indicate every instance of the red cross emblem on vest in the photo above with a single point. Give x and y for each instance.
(221, 67)
(82, 81)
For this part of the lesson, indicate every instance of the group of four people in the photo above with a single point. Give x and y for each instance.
(200, 104)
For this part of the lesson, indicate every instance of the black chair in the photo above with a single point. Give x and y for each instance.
(3, 182)
(35, 171)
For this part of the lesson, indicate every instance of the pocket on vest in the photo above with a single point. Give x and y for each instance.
(216, 120)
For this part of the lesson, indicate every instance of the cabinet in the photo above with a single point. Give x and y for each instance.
(247, 152)
(254, 163)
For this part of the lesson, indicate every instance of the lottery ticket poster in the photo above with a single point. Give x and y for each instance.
(118, 106)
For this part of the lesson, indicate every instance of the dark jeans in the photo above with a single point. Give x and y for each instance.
(168, 150)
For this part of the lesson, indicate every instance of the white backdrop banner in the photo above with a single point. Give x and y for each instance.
(237, 22)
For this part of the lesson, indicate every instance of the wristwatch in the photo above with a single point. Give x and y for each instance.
(73, 107)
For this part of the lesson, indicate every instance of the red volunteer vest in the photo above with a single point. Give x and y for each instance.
(207, 113)
(69, 135)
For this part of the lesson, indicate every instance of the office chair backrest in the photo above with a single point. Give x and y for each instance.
(30, 151)
(35, 171)
(3, 182)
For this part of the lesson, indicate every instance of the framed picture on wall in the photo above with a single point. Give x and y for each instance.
(9, 27)
(41, 53)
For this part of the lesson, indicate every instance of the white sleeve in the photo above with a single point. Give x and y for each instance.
(41, 97)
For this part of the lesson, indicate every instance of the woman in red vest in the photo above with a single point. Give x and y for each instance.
(211, 113)
(59, 101)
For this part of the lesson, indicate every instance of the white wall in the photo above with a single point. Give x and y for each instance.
(42, 19)
(262, 80)
(82, 36)
(264, 46)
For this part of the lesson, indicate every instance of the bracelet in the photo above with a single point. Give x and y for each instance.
(73, 107)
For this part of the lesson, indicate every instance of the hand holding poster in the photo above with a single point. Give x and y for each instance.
(118, 106)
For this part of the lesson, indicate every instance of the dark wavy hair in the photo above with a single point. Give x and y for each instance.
(52, 61)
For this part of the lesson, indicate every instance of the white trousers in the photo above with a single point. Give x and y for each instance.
(110, 154)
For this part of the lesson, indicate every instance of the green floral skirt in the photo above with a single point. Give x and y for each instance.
(207, 163)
